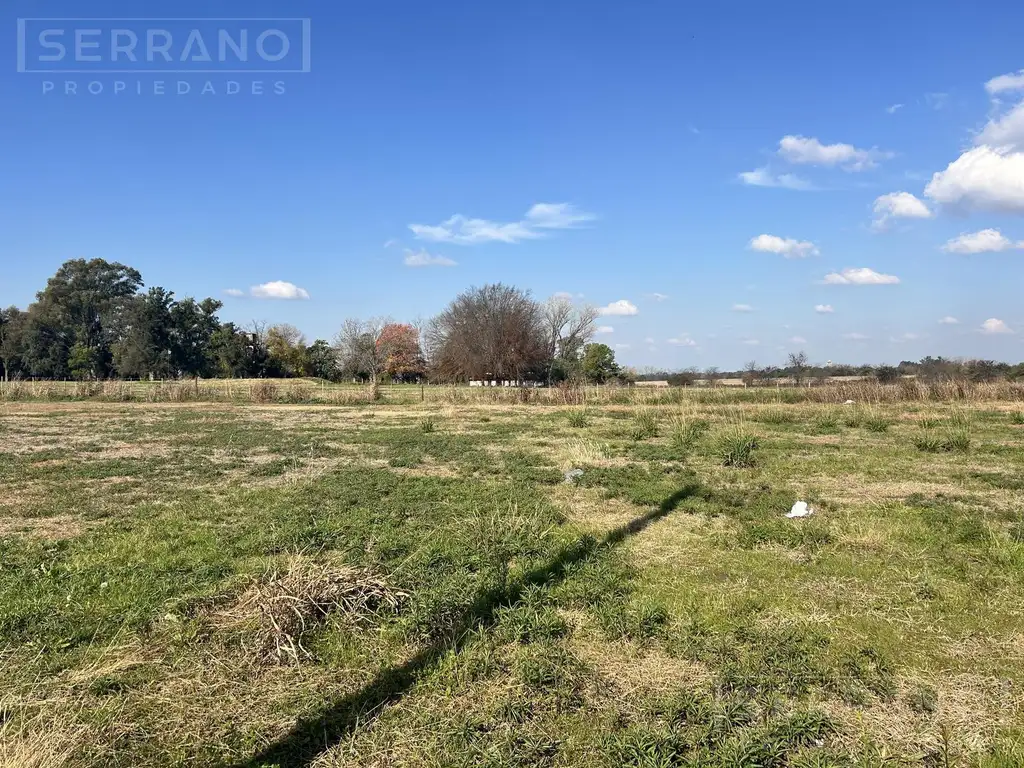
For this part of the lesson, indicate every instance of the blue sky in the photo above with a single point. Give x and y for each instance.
(618, 152)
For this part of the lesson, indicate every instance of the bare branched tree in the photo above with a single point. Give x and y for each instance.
(360, 354)
(494, 332)
(569, 328)
(798, 366)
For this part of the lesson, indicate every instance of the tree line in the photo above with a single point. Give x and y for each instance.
(95, 320)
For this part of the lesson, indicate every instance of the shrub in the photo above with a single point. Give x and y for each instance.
(263, 392)
(428, 425)
(1017, 417)
(875, 423)
(686, 432)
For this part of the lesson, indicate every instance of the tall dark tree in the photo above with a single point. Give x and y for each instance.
(194, 325)
(146, 346)
(77, 318)
(12, 340)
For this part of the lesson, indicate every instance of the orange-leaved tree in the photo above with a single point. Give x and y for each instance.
(399, 347)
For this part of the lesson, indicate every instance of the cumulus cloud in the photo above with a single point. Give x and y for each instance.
(823, 309)
(605, 329)
(537, 222)
(233, 292)
(278, 289)
(860, 276)
(987, 240)
(1005, 131)
(422, 258)
(810, 151)
(994, 325)
(787, 247)
(898, 205)
(742, 308)
(981, 178)
(1014, 81)
(620, 307)
(763, 177)
(948, 320)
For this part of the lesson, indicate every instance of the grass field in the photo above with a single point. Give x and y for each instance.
(420, 585)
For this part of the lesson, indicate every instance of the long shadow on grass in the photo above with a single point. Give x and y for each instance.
(316, 734)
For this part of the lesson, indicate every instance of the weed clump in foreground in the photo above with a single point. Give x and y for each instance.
(578, 418)
(686, 432)
(428, 425)
(645, 425)
(956, 437)
(737, 449)
(291, 604)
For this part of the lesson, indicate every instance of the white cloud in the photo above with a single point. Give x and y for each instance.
(648, 340)
(622, 346)
(1005, 131)
(787, 247)
(620, 307)
(742, 308)
(421, 258)
(855, 336)
(983, 178)
(860, 276)
(810, 151)
(278, 289)
(659, 296)
(751, 342)
(823, 309)
(1014, 81)
(605, 329)
(987, 240)
(798, 340)
(936, 100)
(233, 292)
(948, 320)
(992, 325)
(684, 341)
(763, 177)
(389, 243)
(892, 109)
(534, 225)
(904, 337)
(898, 205)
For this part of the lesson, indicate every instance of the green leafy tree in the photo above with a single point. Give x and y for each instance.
(599, 364)
(146, 345)
(322, 361)
(194, 325)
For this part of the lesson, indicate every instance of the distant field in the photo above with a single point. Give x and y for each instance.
(410, 584)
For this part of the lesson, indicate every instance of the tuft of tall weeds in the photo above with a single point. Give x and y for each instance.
(578, 418)
(736, 448)
(645, 424)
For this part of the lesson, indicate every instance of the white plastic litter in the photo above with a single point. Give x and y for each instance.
(573, 475)
(800, 509)
(848, 402)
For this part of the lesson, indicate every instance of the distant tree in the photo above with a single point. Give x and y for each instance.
(287, 348)
(684, 378)
(146, 345)
(599, 364)
(982, 371)
(568, 329)
(12, 332)
(767, 374)
(798, 366)
(322, 361)
(887, 374)
(712, 375)
(751, 373)
(495, 332)
(194, 325)
(77, 318)
(399, 346)
(360, 355)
